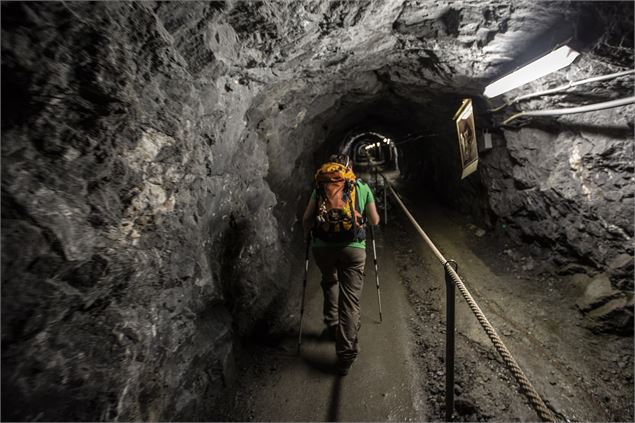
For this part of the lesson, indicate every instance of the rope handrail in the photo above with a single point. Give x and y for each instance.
(527, 388)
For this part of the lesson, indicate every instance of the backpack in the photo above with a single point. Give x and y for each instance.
(338, 218)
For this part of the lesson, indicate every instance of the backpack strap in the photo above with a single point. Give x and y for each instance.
(361, 232)
(353, 207)
(357, 196)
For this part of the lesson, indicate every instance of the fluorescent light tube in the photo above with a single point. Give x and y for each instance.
(552, 62)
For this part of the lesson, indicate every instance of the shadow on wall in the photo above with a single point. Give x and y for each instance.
(227, 249)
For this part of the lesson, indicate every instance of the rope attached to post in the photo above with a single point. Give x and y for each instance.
(527, 388)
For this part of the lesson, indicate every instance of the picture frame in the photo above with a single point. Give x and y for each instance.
(466, 136)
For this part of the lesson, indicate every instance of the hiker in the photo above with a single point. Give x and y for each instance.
(340, 250)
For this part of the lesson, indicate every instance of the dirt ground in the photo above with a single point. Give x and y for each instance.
(582, 376)
(400, 374)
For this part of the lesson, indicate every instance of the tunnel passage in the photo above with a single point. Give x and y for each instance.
(367, 148)
(156, 158)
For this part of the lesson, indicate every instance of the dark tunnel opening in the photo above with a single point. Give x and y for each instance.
(424, 141)
(368, 148)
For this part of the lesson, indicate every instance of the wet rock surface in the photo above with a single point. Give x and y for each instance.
(156, 157)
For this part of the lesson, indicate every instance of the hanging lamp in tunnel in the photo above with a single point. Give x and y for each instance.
(372, 144)
(556, 60)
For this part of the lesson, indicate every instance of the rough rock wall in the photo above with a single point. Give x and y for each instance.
(565, 182)
(135, 217)
(572, 191)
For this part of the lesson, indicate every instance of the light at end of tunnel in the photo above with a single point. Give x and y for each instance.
(551, 62)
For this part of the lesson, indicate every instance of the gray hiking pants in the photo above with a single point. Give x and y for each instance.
(342, 282)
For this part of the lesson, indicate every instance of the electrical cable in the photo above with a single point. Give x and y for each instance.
(564, 88)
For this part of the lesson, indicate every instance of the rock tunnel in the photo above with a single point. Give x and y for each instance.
(157, 158)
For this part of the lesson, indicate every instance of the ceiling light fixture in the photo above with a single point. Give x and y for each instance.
(547, 64)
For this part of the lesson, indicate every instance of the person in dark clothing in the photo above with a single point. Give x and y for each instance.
(341, 261)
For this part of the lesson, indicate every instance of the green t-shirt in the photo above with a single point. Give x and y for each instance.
(364, 197)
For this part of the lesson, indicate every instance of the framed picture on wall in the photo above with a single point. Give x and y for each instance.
(466, 132)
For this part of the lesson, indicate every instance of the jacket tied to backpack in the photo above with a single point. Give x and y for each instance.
(338, 218)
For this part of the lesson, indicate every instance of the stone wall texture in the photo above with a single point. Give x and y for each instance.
(156, 157)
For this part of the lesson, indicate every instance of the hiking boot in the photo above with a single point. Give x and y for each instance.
(342, 368)
(330, 333)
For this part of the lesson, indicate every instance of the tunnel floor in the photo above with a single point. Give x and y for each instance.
(399, 375)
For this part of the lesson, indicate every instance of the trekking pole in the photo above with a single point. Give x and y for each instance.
(376, 182)
(372, 237)
(385, 200)
(306, 273)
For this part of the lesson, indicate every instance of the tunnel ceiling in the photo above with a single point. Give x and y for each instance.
(443, 46)
(156, 157)
(381, 63)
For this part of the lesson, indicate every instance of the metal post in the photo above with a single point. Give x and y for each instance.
(527, 389)
(376, 183)
(372, 237)
(385, 203)
(449, 341)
